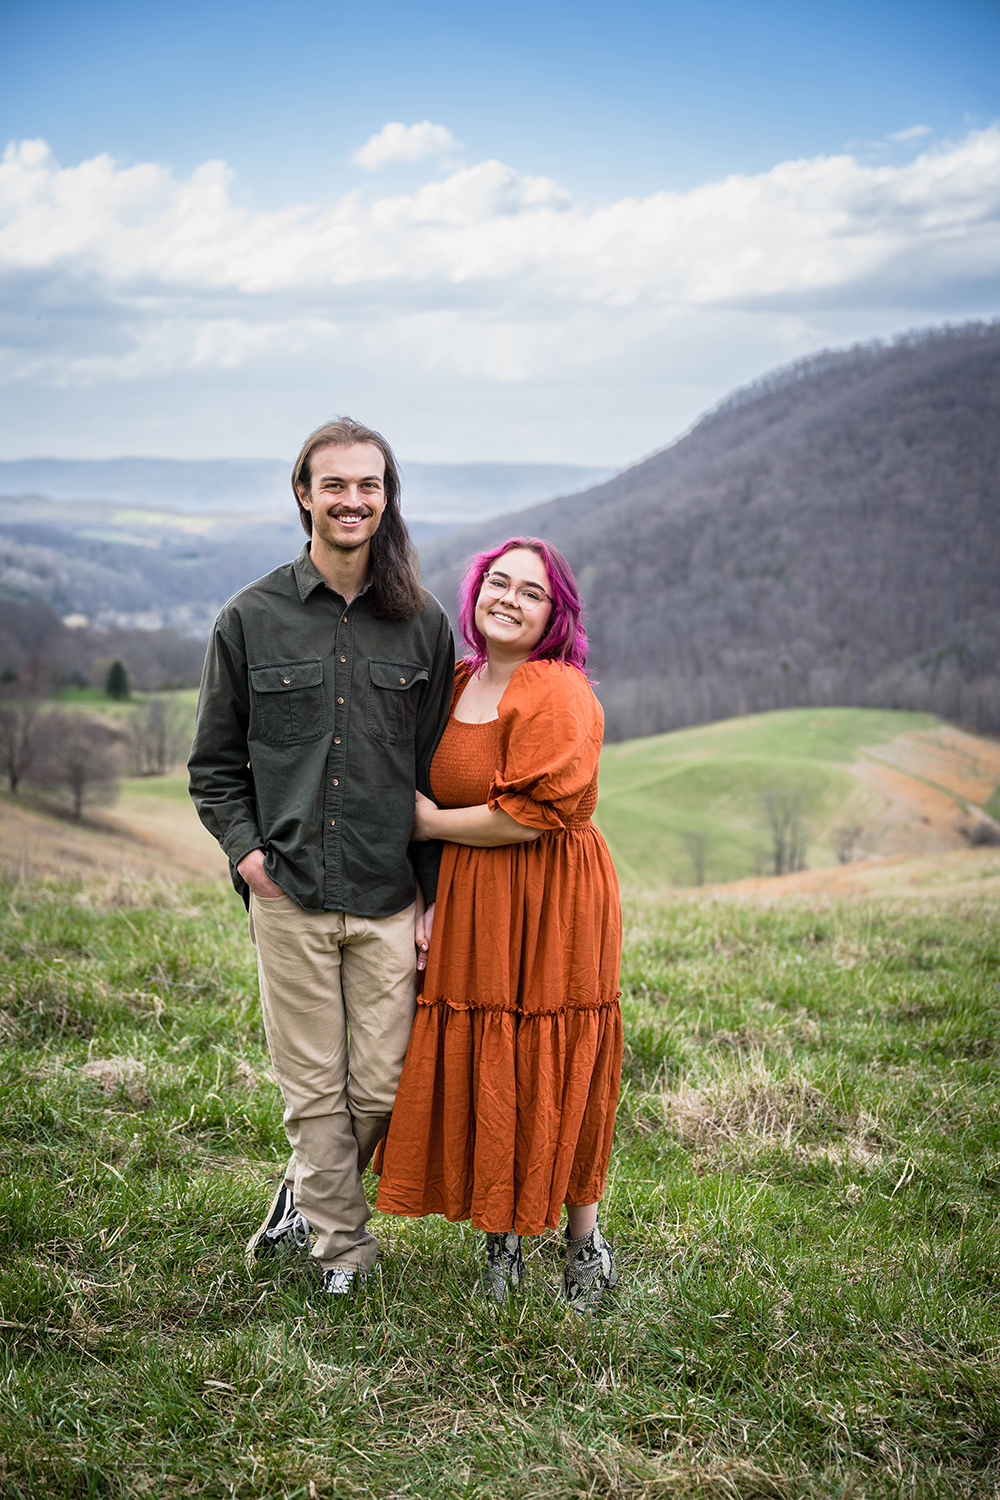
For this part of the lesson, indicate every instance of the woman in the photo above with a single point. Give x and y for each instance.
(506, 1105)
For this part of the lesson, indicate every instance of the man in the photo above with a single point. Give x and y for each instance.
(326, 688)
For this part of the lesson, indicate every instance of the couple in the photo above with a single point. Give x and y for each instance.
(330, 701)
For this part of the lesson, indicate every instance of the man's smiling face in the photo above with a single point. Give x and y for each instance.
(346, 496)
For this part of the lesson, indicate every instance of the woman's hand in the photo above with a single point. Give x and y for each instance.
(479, 827)
(423, 819)
(422, 928)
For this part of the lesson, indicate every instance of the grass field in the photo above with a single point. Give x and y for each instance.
(711, 782)
(94, 698)
(804, 1198)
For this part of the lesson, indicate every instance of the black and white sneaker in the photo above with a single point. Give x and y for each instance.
(284, 1229)
(341, 1281)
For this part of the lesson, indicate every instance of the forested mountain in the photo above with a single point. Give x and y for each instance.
(829, 535)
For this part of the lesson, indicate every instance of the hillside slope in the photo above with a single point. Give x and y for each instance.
(153, 833)
(694, 806)
(829, 535)
(911, 788)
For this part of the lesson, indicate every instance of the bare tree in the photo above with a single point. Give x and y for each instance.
(18, 735)
(156, 734)
(783, 810)
(696, 844)
(846, 841)
(79, 756)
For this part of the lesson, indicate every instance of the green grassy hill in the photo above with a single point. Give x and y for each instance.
(660, 793)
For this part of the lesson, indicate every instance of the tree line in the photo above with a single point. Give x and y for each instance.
(74, 758)
(38, 649)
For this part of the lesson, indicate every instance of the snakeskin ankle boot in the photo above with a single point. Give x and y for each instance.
(590, 1270)
(504, 1269)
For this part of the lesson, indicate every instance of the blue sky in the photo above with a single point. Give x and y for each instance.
(589, 225)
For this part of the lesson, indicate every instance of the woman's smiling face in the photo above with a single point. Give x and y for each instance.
(510, 624)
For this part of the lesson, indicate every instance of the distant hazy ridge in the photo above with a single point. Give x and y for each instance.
(155, 542)
(829, 535)
(452, 494)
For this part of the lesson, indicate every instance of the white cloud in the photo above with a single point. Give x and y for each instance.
(124, 275)
(803, 228)
(913, 133)
(398, 142)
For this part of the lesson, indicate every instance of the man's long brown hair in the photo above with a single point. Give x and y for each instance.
(396, 593)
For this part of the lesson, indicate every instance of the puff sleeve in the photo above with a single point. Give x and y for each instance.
(551, 729)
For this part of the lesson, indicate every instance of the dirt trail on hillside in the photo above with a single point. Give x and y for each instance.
(965, 765)
(933, 784)
(914, 818)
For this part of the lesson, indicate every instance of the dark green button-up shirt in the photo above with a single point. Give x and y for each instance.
(315, 723)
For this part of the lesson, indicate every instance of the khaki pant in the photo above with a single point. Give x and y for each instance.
(338, 994)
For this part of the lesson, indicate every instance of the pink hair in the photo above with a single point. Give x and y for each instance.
(565, 638)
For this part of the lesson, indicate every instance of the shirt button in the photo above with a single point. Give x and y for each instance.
(333, 822)
(339, 700)
(336, 739)
(402, 681)
(335, 782)
(343, 658)
(286, 679)
(344, 621)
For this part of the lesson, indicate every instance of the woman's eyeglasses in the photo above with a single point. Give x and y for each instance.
(528, 595)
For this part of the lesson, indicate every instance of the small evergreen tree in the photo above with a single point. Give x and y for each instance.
(117, 684)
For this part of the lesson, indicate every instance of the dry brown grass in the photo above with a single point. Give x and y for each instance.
(747, 1106)
(115, 1073)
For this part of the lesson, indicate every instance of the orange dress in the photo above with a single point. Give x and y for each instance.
(506, 1104)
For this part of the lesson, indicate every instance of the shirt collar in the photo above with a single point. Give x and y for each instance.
(308, 577)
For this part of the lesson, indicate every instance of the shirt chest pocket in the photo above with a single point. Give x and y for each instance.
(393, 699)
(288, 706)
